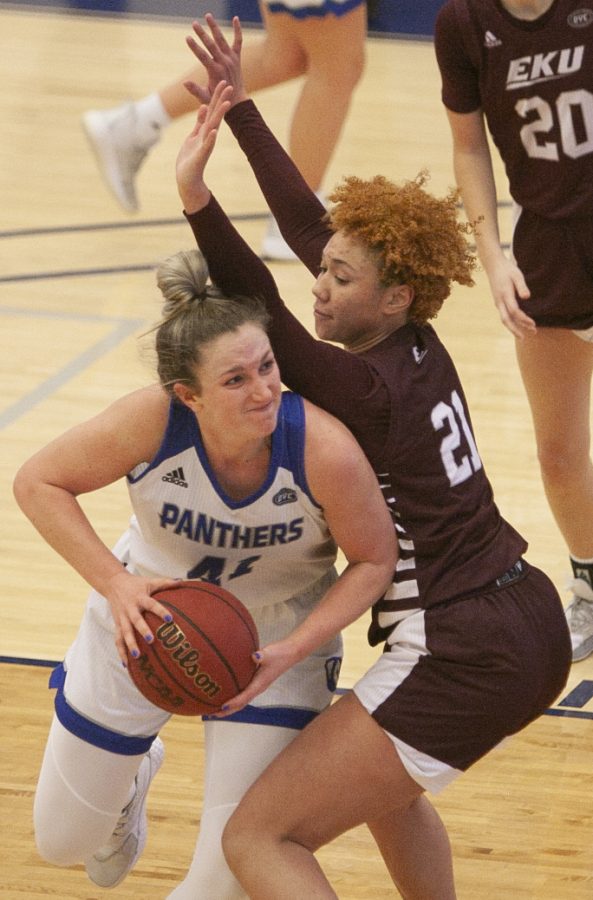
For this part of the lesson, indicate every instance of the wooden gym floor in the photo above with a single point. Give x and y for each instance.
(77, 289)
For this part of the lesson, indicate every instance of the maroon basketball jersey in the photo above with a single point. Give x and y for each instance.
(402, 400)
(534, 82)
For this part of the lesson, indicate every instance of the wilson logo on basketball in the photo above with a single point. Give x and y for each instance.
(151, 678)
(174, 641)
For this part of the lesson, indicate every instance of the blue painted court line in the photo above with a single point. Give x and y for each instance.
(76, 273)
(120, 330)
(579, 695)
(18, 661)
(137, 223)
(114, 226)
(570, 713)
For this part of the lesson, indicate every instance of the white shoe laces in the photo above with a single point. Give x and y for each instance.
(122, 822)
(581, 589)
(580, 608)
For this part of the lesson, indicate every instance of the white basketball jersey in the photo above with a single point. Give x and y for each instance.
(265, 548)
(272, 550)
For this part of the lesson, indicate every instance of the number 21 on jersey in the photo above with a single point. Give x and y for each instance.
(458, 448)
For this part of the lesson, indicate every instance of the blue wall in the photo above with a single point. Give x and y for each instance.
(404, 17)
(414, 17)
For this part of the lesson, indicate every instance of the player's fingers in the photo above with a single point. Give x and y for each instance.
(200, 93)
(202, 113)
(126, 641)
(237, 36)
(159, 610)
(136, 622)
(261, 680)
(516, 321)
(508, 322)
(198, 51)
(521, 286)
(208, 42)
(219, 103)
(213, 121)
(219, 38)
(122, 649)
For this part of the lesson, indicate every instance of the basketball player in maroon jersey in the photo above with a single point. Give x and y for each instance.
(475, 640)
(524, 68)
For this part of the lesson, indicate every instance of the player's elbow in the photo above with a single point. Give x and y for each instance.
(22, 487)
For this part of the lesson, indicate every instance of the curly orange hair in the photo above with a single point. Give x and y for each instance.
(417, 237)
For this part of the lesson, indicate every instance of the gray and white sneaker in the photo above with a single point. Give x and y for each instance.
(120, 147)
(274, 247)
(579, 615)
(110, 865)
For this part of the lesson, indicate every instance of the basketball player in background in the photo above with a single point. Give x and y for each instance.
(219, 417)
(474, 638)
(524, 69)
(322, 41)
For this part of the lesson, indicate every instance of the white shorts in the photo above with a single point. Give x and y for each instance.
(585, 335)
(98, 701)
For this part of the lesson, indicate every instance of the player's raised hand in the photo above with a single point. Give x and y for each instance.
(221, 61)
(197, 148)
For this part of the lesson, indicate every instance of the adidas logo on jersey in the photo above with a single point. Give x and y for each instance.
(284, 495)
(490, 40)
(176, 477)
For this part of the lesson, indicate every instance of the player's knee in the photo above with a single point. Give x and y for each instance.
(236, 842)
(357, 67)
(57, 842)
(340, 74)
(55, 848)
(560, 462)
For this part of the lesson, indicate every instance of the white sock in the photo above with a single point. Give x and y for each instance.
(152, 117)
(236, 754)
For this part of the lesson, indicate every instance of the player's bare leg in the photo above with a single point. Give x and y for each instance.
(556, 367)
(340, 772)
(402, 839)
(324, 101)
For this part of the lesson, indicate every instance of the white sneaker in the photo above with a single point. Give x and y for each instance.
(119, 149)
(579, 616)
(110, 865)
(274, 247)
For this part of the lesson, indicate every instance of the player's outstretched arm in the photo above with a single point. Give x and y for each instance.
(361, 524)
(197, 148)
(296, 208)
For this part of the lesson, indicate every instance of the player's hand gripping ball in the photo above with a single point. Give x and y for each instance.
(203, 657)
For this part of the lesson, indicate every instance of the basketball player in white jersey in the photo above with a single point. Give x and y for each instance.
(233, 482)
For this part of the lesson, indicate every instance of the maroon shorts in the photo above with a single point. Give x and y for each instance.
(556, 258)
(460, 677)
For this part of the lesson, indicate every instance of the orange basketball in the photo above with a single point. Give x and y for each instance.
(203, 657)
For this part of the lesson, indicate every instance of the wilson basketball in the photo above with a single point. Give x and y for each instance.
(203, 657)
